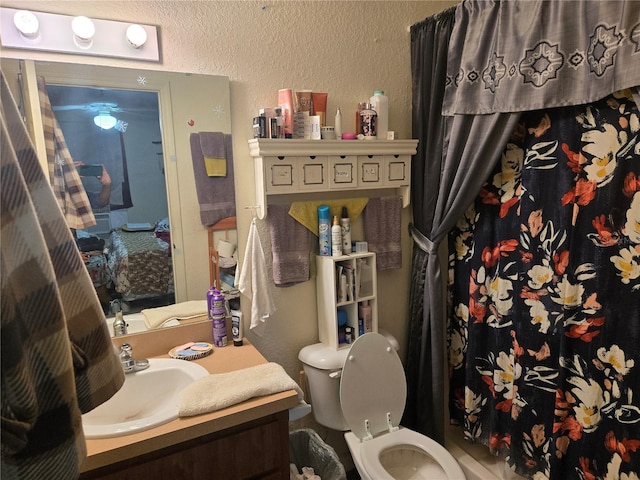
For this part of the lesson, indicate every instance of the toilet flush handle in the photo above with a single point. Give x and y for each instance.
(335, 374)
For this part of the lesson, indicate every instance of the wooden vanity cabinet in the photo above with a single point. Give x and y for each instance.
(258, 449)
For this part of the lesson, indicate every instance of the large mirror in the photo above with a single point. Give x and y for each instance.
(148, 159)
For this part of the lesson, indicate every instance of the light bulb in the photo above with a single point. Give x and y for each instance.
(136, 35)
(105, 120)
(26, 23)
(83, 31)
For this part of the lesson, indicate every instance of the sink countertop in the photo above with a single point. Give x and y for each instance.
(106, 451)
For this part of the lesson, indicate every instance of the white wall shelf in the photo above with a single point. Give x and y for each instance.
(363, 289)
(302, 166)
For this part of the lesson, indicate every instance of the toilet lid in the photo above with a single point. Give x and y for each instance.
(372, 384)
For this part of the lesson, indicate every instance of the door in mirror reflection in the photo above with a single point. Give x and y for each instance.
(115, 140)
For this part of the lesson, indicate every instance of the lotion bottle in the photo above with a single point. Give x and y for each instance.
(338, 124)
(366, 314)
(380, 103)
(336, 238)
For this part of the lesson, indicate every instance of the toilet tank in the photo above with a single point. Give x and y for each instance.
(323, 367)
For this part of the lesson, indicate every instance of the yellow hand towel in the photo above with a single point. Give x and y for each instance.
(216, 167)
(307, 212)
(156, 317)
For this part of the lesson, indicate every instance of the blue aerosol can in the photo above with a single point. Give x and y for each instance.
(217, 313)
(324, 230)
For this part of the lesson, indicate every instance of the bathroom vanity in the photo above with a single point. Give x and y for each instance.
(247, 440)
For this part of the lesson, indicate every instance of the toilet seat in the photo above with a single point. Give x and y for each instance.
(372, 370)
(438, 464)
(373, 393)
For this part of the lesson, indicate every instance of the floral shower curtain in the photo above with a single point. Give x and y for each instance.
(544, 329)
(502, 58)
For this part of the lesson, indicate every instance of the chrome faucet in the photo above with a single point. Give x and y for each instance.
(129, 363)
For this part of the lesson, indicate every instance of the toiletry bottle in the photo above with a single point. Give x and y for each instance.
(336, 238)
(324, 230)
(368, 122)
(285, 100)
(364, 311)
(279, 122)
(218, 315)
(236, 322)
(343, 288)
(380, 103)
(119, 325)
(342, 317)
(345, 225)
(260, 127)
(361, 106)
(338, 124)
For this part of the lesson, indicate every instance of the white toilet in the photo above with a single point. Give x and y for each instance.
(363, 389)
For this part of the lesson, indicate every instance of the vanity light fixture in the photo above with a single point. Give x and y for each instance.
(27, 24)
(105, 120)
(47, 32)
(83, 31)
(136, 35)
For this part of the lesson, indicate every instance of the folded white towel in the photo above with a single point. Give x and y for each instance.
(221, 390)
(157, 317)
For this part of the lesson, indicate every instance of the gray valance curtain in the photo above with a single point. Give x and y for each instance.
(465, 106)
(522, 56)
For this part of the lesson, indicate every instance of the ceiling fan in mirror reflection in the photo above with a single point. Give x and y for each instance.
(103, 114)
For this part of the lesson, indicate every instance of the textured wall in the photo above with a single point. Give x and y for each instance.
(345, 48)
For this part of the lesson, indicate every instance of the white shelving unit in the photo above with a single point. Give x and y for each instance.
(363, 289)
(302, 166)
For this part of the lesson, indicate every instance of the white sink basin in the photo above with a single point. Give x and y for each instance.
(147, 399)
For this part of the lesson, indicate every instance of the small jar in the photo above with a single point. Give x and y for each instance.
(348, 335)
(328, 133)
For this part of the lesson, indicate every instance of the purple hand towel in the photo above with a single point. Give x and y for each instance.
(216, 195)
(212, 144)
(382, 228)
(290, 246)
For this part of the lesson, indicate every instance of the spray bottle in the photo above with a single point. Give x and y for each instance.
(324, 230)
(345, 226)
(336, 238)
(218, 316)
